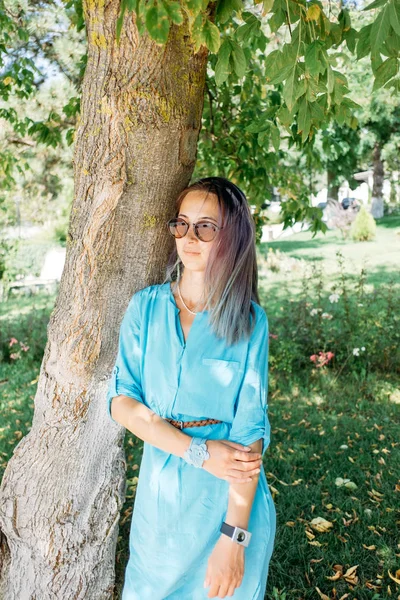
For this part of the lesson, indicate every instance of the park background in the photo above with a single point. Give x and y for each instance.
(325, 196)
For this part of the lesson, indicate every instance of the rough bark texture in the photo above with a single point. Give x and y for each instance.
(135, 150)
(333, 188)
(377, 188)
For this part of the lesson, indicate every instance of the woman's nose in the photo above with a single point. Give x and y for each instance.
(190, 231)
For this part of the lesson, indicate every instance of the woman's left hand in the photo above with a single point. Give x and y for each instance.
(225, 568)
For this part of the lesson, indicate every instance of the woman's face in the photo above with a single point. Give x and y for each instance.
(195, 207)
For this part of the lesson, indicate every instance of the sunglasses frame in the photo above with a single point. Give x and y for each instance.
(195, 225)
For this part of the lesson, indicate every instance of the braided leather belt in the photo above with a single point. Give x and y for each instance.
(182, 424)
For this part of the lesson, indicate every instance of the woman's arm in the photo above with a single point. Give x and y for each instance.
(241, 498)
(148, 426)
(153, 429)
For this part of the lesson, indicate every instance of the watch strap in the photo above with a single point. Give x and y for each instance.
(237, 534)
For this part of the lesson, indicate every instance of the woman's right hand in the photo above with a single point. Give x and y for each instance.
(229, 461)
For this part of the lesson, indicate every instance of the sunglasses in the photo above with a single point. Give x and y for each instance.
(205, 231)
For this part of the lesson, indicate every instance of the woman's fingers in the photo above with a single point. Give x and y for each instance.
(247, 466)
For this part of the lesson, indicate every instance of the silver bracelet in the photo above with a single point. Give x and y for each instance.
(197, 452)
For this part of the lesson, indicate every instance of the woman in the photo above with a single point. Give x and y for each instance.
(190, 379)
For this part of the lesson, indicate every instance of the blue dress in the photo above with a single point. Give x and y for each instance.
(178, 508)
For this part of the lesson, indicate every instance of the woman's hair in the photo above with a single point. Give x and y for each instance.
(231, 275)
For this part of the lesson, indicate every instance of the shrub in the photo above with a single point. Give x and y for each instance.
(364, 226)
(348, 327)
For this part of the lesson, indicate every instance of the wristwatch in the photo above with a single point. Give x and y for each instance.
(237, 534)
(197, 452)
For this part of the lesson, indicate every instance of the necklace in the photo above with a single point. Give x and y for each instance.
(180, 296)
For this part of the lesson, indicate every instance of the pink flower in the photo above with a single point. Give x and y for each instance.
(15, 355)
(23, 347)
(12, 342)
(322, 359)
(273, 336)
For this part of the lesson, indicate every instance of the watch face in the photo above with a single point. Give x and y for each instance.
(241, 536)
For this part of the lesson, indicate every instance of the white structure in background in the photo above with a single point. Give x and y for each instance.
(49, 277)
(362, 192)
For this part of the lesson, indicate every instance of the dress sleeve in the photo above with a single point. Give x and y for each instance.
(126, 373)
(251, 421)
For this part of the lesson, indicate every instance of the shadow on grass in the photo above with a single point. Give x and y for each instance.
(389, 222)
(290, 246)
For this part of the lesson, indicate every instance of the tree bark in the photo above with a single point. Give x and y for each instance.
(136, 146)
(333, 188)
(377, 188)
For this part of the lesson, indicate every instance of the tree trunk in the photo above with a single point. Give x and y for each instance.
(136, 146)
(333, 189)
(377, 195)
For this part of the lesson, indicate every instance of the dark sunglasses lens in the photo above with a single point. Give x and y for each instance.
(178, 228)
(206, 231)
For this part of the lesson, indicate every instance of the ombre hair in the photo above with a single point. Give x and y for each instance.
(231, 274)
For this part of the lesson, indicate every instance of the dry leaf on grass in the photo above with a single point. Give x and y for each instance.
(322, 595)
(396, 578)
(369, 547)
(334, 577)
(321, 525)
(351, 576)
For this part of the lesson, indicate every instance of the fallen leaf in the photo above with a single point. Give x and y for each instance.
(334, 577)
(395, 579)
(323, 596)
(351, 576)
(369, 547)
(321, 525)
(315, 543)
(310, 535)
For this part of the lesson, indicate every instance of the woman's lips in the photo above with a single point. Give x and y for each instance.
(192, 253)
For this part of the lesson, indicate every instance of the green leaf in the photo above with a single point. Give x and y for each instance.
(267, 7)
(351, 39)
(386, 71)
(375, 4)
(174, 12)
(225, 9)
(380, 29)
(157, 23)
(394, 17)
(364, 41)
(275, 137)
(344, 19)
(289, 90)
(276, 67)
(211, 36)
(284, 116)
(258, 126)
(194, 6)
(120, 20)
(330, 81)
(312, 62)
(304, 119)
(222, 68)
(238, 59)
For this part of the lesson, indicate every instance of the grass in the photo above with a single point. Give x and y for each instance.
(320, 432)
(316, 438)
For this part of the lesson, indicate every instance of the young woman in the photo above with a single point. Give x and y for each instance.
(190, 379)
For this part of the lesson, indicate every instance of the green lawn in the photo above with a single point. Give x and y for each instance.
(321, 430)
(380, 258)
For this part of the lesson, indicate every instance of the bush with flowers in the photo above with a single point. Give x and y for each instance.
(351, 327)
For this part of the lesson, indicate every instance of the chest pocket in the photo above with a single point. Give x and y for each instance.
(210, 391)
